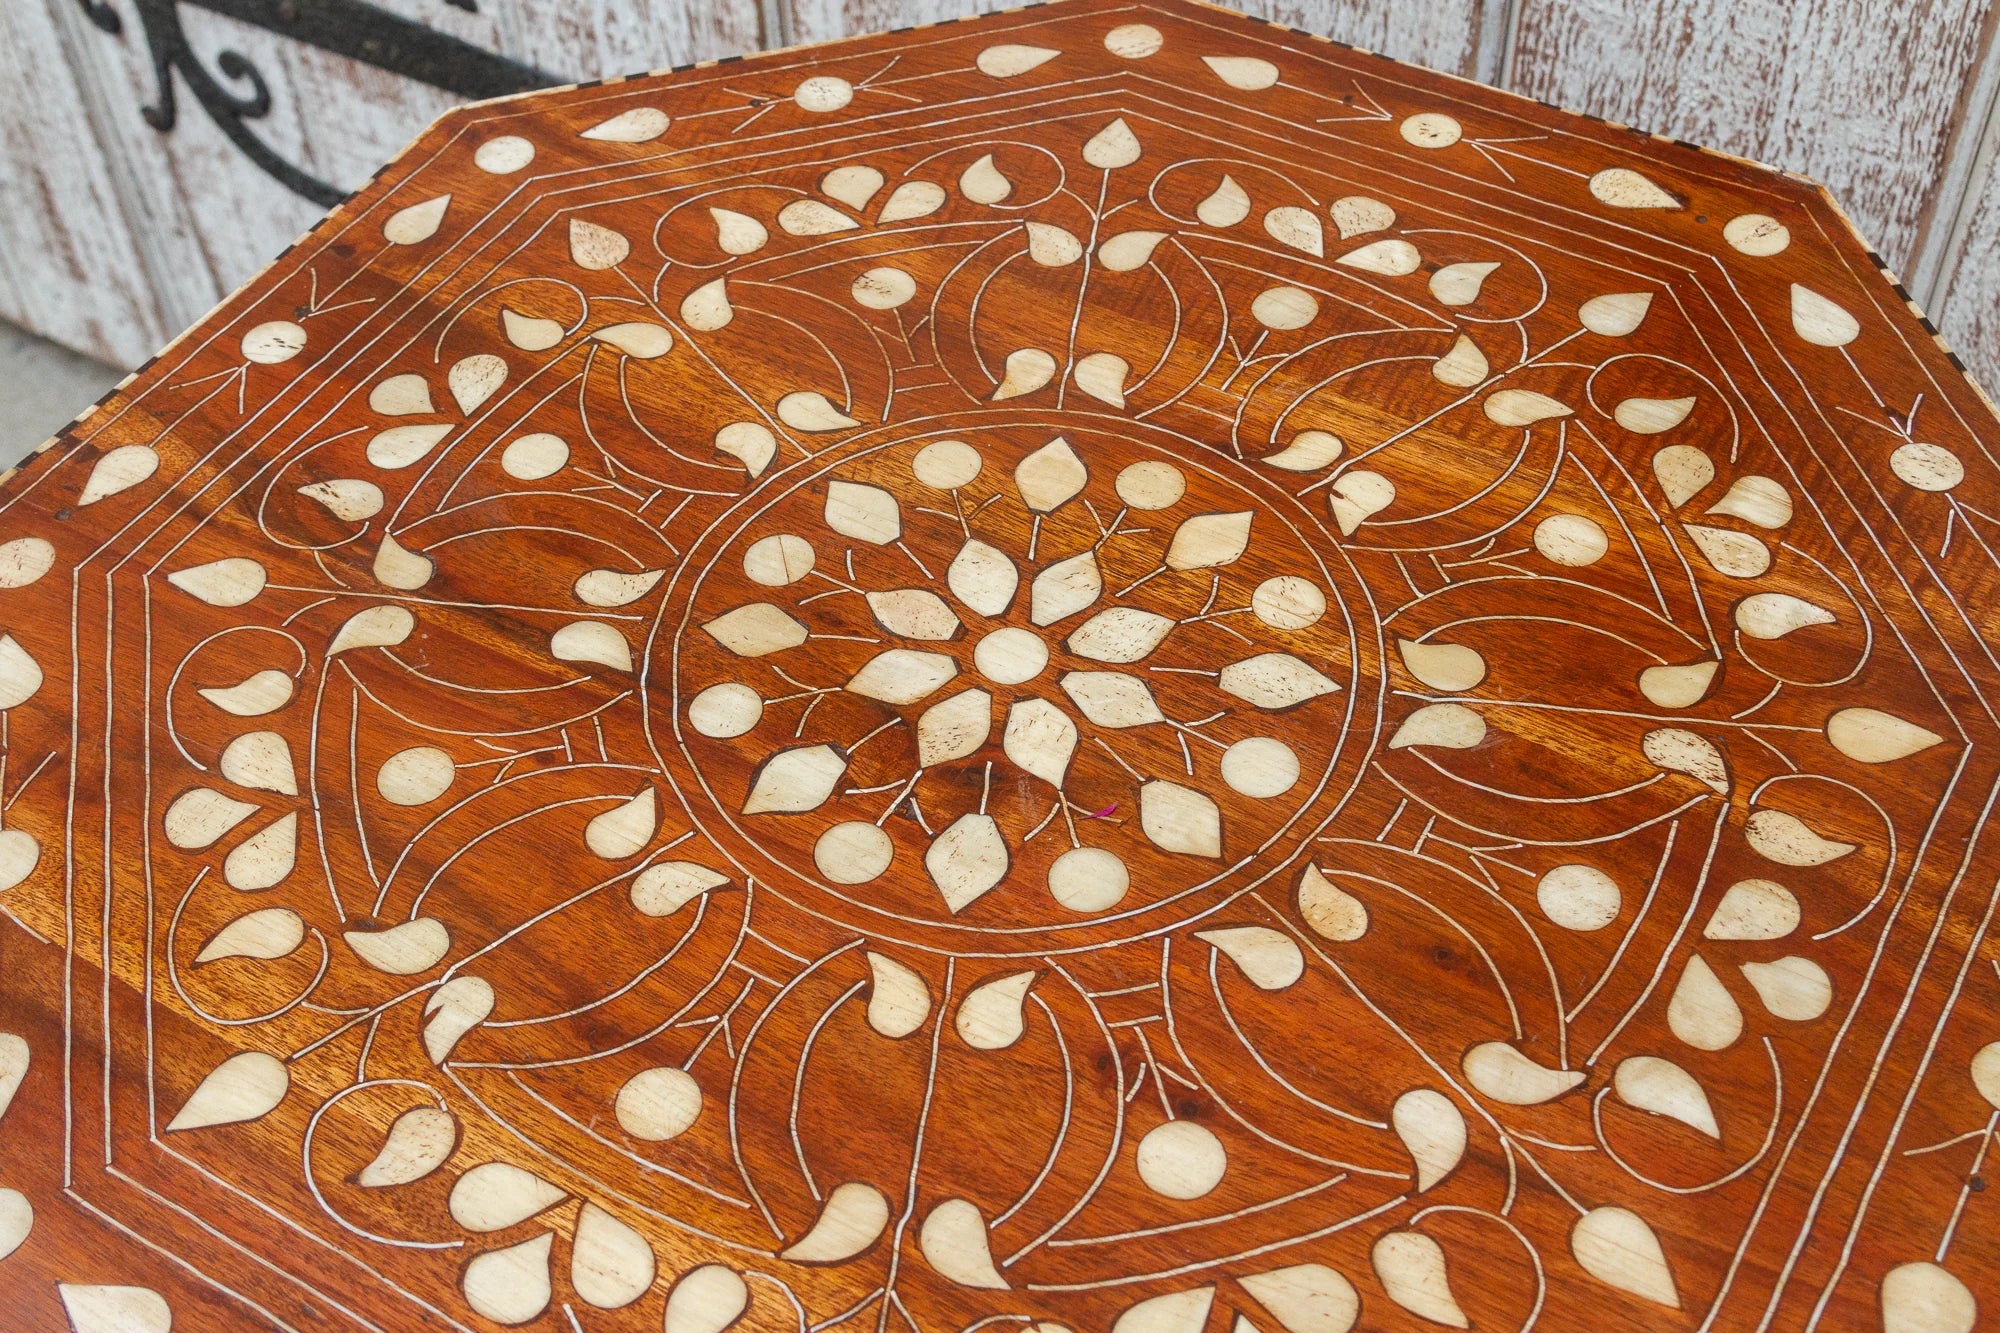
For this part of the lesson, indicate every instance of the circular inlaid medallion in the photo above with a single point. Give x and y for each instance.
(1009, 685)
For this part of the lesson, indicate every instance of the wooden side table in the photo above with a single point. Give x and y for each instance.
(1104, 668)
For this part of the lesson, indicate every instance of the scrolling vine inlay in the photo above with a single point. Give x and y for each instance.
(1102, 668)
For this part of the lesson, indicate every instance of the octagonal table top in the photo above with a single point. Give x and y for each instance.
(1106, 668)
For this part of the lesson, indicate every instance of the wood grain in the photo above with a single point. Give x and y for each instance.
(184, 217)
(1967, 312)
(203, 217)
(827, 20)
(1964, 253)
(71, 267)
(1465, 37)
(1451, 35)
(1775, 82)
(1863, 95)
(1102, 667)
(599, 38)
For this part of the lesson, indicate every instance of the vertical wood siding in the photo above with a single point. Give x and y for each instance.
(71, 266)
(1443, 34)
(113, 236)
(1860, 94)
(1961, 268)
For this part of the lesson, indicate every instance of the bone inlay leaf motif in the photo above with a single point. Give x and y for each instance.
(1102, 668)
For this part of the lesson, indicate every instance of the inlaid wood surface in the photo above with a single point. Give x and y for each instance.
(1101, 668)
(113, 235)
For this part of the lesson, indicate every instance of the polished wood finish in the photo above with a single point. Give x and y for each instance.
(1102, 667)
(136, 235)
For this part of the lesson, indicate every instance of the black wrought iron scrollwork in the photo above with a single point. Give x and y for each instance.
(100, 13)
(353, 29)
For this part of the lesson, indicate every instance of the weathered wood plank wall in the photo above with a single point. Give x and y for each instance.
(113, 235)
(1961, 265)
(1886, 102)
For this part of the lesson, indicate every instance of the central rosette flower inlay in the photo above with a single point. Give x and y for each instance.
(1038, 659)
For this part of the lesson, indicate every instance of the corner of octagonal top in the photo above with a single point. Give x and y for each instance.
(1132, 36)
(1440, 134)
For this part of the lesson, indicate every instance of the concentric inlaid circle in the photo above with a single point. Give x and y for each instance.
(1015, 716)
(416, 776)
(1151, 484)
(853, 853)
(1927, 467)
(1432, 130)
(725, 710)
(658, 1104)
(1088, 879)
(1579, 897)
(1133, 41)
(1182, 1160)
(1260, 767)
(1010, 655)
(273, 343)
(504, 155)
(780, 560)
(535, 456)
(1286, 601)
(1571, 539)
(1099, 667)
(823, 93)
(946, 464)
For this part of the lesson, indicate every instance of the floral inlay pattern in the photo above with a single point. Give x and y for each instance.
(1101, 669)
(995, 698)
